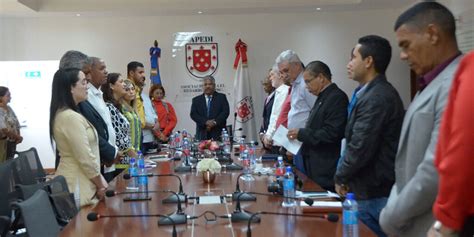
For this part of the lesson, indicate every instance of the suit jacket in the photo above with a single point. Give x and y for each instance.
(219, 112)
(267, 112)
(408, 210)
(322, 135)
(76, 141)
(372, 134)
(107, 151)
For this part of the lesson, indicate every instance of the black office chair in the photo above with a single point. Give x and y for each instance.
(4, 225)
(62, 200)
(28, 167)
(38, 215)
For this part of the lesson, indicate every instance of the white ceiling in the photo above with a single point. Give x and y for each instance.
(38, 8)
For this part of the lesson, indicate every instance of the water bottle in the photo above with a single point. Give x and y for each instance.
(133, 171)
(252, 155)
(280, 168)
(177, 141)
(222, 134)
(289, 188)
(142, 179)
(226, 141)
(350, 216)
(246, 164)
(186, 151)
(241, 147)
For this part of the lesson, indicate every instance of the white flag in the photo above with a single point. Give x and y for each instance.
(244, 115)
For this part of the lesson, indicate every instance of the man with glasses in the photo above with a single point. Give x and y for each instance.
(324, 129)
(301, 101)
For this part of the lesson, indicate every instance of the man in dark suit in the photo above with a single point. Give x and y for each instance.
(210, 111)
(267, 106)
(324, 129)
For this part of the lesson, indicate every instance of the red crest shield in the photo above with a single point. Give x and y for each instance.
(201, 59)
(244, 109)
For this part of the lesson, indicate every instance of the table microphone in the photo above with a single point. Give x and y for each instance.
(239, 215)
(330, 217)
(307, 200)
(93, 216)
(179, 217)
(243, 196)
(172, 198)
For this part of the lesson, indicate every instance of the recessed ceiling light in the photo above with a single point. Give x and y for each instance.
(318, 9)
(199, 12)
(78, 14)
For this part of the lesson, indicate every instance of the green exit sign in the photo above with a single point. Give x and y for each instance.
(33, 74)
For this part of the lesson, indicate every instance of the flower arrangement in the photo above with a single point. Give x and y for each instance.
(208, 144)
(210, 165)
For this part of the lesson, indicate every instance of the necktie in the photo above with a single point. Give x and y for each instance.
(209, 105)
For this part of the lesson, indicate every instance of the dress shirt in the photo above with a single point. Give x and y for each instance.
(280, 95)
(150, 117)
(301, 103)
(425, 80)
(455, 149)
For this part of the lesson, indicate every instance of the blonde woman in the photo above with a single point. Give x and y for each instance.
(130, 112)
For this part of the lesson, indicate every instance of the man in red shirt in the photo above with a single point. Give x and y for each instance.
(454, 155)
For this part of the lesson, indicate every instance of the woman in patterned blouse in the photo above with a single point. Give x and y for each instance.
(9, 127)
(114, 93)
(130, 112)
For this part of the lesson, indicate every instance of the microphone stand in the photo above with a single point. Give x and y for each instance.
(330, 217)
(242, 196)
(95, 216)
(172, 198)
(179, 217)
(180, 195)
(240, 215)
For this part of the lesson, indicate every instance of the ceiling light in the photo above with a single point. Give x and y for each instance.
(318, 9)
(78, 14)
(199, 12)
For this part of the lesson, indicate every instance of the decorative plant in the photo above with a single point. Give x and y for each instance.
(208, 144)
(210, 165)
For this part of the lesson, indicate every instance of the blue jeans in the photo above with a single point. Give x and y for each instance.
(369, 212)
(298, 162)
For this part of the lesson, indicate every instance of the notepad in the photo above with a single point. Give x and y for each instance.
(336, 204)
(210, 200)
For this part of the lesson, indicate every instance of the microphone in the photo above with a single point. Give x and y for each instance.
(93, 216)
(178, 217)
(243, 196)
(240, 215)
(171, 198)
(330, 217)
(307, 200)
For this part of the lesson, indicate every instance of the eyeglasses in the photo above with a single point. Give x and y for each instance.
(309, 81)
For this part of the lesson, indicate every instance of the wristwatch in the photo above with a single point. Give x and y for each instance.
(438, 227)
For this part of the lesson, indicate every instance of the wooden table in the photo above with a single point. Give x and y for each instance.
(269, 226)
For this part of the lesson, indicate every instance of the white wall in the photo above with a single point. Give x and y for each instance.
(328, 37)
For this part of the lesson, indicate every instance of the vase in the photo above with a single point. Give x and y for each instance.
(208, 177)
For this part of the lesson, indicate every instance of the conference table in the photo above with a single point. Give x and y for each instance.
(225, 183)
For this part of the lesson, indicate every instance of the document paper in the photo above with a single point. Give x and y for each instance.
(280, 138)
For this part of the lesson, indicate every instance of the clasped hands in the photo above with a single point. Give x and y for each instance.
(210, 124)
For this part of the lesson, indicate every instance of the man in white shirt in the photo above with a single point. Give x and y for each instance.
(281, 92)
(95, 98)
(302, 100)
